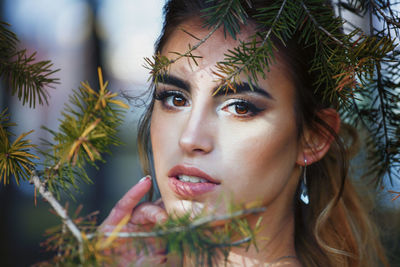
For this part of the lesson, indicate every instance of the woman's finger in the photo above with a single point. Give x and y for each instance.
(128, 202)
(148, 213)
(160, 202)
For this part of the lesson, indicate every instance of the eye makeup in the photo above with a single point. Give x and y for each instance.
(240, 107)
(171, 99)
(241, 88)
(245, 103)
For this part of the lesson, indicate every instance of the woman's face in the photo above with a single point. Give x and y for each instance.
(241, 147)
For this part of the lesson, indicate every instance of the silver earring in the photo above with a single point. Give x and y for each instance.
(303, 185)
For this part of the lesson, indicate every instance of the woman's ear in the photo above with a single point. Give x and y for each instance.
(316, 142)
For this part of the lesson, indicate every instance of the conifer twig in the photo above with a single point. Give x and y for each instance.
(215, 28)
(386, 18)
(382, 110)
(319, 26)
(199, 43)
(234, 244)
(239, 70)
(188, 53)
(60, 211)
(195, 224)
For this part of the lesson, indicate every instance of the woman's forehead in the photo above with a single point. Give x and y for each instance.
(191, 32)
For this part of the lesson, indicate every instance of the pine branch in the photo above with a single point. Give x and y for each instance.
(268, 35)
(203, 221)
(159, 65)
(61, 212)
(15, 158)
(377, 110)
(230, 12)
(319, 26)
(205, 242)
(383, 116)
(198, 44)
(27, 79)
(388, 20)
(234, 244)
(88, 128)
(229, 73)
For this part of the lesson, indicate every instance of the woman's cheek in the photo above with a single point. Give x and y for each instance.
(163, 130)
(259, 158)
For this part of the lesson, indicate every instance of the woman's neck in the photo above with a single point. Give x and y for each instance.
(275, 241)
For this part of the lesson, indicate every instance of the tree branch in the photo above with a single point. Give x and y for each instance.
(239, 70)
(234, 244)
(384, 123)
(386, 18)
(195, 224)
(59, 210)
(319, 26)
(215, 28)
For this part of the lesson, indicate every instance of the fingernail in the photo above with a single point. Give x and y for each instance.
(144, 178)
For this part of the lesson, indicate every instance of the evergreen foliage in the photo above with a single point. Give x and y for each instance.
(15, 158)
(27, 78)
(376, 106)
(197, 238)
(87, 129)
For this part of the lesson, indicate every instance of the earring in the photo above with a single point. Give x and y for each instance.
(303, 185)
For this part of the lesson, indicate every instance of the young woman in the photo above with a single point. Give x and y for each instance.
(277, 144)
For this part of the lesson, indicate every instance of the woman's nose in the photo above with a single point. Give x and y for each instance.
(197, 135)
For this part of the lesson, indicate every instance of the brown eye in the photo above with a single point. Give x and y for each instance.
(241, 108)
(179, 101)
(172, 100)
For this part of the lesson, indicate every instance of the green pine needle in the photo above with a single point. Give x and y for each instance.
(27, 78)
(15, 158)
(87, 129)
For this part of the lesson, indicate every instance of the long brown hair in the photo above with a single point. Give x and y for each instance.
(335, 228)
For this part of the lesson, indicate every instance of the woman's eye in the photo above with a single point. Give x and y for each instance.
(241, 108)
(178, 101)
(171, 99)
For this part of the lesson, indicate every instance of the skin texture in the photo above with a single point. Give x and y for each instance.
(254, 154)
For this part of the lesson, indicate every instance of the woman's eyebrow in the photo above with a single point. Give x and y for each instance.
(245, 88)
(240, 88)
(174, 81)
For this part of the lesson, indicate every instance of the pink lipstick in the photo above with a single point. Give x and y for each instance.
(189, 182)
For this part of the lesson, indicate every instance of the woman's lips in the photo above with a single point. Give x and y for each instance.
(189, 189)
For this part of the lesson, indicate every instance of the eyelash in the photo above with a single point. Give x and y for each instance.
(253, 110)
(164, 95)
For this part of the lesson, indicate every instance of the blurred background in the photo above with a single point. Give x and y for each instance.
(78, 36)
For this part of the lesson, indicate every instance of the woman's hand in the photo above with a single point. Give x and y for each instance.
(142, 217)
